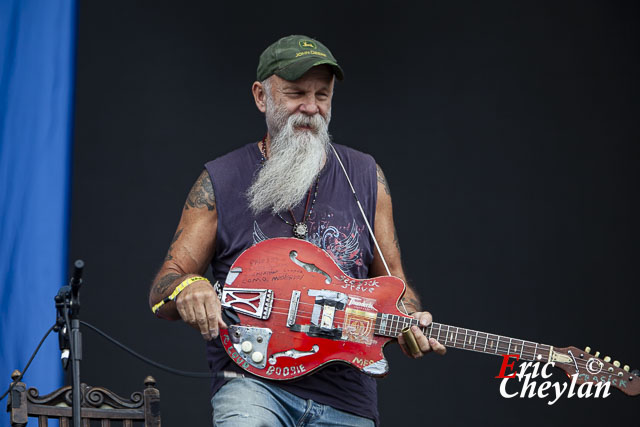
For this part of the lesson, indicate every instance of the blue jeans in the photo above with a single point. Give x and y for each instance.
(245, 402)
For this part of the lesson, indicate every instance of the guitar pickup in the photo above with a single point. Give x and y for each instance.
(293, 308)
(324, 309)
(326, 321)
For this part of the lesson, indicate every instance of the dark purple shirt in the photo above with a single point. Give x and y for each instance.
(335, 225)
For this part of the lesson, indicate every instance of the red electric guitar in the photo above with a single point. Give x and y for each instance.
(299, 311)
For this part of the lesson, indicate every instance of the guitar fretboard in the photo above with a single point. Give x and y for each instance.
(391, 325)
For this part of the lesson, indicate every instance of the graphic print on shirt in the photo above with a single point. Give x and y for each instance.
(341, 242)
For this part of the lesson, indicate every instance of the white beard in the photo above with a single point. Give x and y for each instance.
(296, 157)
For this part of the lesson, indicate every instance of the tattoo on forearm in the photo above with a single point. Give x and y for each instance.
(411, 302)
(201, 194)
(175, 238)
(164, 282)
(382, 180)
(395, 238)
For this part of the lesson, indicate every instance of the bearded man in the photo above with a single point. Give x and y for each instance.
(290, 183)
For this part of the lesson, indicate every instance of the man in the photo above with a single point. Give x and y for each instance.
(287, 184)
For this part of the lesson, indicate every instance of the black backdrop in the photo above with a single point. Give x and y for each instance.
(508, 133)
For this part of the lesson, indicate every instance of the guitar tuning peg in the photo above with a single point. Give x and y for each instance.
(607, 359)
(626, 368)
(616, 363)
(587, 349)
(597, 354)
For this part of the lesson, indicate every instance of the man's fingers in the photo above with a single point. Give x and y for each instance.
(201, 320)
(437, 347)
(425, 318)
(403, 345)
(423, 342)
(199, 307)
(185, 311)
(214, 316)
(421, 345)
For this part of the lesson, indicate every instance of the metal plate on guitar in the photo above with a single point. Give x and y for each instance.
(251, 343)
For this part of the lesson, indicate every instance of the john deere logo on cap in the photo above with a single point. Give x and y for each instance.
(307, 44)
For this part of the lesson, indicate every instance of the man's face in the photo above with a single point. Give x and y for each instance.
(309, 95)
(297, 115)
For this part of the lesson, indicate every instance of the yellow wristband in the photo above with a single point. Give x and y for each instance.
(177, 291)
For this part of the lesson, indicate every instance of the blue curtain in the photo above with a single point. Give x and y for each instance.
(37, 62)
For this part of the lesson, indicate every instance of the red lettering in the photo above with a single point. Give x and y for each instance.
(506, 364)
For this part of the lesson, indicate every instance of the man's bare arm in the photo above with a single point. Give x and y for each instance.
(189, 255)
(387, 237)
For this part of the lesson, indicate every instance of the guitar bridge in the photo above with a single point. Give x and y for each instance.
(252, 302)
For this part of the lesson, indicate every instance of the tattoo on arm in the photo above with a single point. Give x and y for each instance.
(164, 282)
(175, 238)
(382, 180)
(201, 194)
(395, 239)
(411, 302)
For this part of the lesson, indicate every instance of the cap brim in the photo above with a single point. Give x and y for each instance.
(297, 69)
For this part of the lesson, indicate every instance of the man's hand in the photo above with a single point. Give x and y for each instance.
(199, 306)
(426, 344)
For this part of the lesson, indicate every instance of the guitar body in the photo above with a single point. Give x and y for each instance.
(299, 311)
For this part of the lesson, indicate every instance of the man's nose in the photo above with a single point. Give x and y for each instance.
(309, 106)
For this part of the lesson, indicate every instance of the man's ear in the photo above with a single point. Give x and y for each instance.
(259, 96)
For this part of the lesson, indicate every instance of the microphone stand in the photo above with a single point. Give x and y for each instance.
(70, 341)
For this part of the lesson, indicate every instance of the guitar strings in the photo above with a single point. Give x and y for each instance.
(460, 336)
(460, 340)
(470, 333)
(457, 341)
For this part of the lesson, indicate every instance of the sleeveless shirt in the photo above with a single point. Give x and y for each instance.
(335, 225)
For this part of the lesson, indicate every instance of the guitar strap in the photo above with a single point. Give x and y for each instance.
(366, 221)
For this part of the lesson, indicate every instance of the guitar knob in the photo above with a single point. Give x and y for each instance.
(607, 359)
(626, 368)
(247, 346)
(597, 354)
(257, 357)
(587, 349)
(616, 363)
(635, 372)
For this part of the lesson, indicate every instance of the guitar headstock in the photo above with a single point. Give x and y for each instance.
(592, 368)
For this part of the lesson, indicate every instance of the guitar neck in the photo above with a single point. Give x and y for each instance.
(391, 325)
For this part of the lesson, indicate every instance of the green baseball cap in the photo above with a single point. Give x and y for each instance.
(292, 56)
